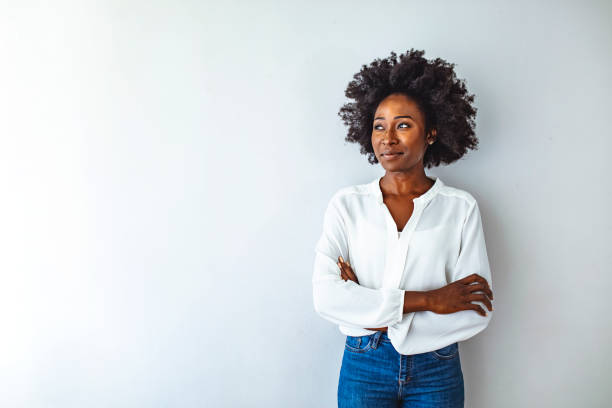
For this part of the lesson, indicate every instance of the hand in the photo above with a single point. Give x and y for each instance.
(346, 273)
(458, 296)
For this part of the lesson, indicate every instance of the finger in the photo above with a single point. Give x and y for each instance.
(477, 278)
(351, 273)
(484, 283)
(488, 291)
(349, 270)
(476, 287)
(481, 287)
(478, 309)
(482, 280)
(474, 278)
(469, 279)
(481, 298)
(342, 273)
(343, 265)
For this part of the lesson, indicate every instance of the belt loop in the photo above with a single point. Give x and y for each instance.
(376, 339)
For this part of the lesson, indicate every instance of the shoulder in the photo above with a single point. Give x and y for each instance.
(347, 196)
(345, 201)
(459, 197)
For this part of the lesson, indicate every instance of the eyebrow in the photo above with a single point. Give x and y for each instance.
(397, 117)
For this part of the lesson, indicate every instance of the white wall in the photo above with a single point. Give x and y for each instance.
(165, 166)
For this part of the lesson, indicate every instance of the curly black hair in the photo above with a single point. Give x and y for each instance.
(433, 85)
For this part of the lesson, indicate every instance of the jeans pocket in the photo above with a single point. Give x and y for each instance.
(358, 344)
(447, 352)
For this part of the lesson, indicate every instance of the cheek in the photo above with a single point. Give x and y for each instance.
(415, 145)
(374, 142)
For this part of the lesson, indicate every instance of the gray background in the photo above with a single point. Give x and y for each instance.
(165, 166)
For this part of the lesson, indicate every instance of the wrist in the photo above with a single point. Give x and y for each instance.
(415, 301)
(427, 300)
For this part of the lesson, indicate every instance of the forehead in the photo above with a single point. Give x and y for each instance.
(398, 104)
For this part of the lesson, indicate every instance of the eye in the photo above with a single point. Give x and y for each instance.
(376, 127)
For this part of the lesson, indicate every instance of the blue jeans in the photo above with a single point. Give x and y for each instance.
(374, 374)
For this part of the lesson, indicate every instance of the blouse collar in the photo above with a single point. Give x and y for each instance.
(422, 199)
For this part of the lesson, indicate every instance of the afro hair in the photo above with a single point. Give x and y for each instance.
(443, 99)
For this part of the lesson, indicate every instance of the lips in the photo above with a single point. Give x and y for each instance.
(391, 155)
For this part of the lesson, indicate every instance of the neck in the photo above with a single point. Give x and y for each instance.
(401, 183)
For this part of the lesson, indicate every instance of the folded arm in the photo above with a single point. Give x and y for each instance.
(463, 324)
(346, 302)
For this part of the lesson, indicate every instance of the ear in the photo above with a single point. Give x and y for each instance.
(432, 136)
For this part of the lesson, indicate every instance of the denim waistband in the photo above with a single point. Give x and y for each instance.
(378, 337)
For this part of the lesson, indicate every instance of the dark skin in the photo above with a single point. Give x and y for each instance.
(399, 126)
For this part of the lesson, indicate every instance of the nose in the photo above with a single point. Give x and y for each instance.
(388, 136)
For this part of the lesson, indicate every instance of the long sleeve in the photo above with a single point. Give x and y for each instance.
(346, 302)
(472, 258)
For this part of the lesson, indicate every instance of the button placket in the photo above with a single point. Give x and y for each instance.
(391, 253)
(404, 242)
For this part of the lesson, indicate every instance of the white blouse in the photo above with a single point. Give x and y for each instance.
(443, 241)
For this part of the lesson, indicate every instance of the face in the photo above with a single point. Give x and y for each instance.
(399, 127)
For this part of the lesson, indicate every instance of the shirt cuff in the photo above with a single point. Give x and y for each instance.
(401, 308)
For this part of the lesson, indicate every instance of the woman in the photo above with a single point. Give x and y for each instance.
(401, 265)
